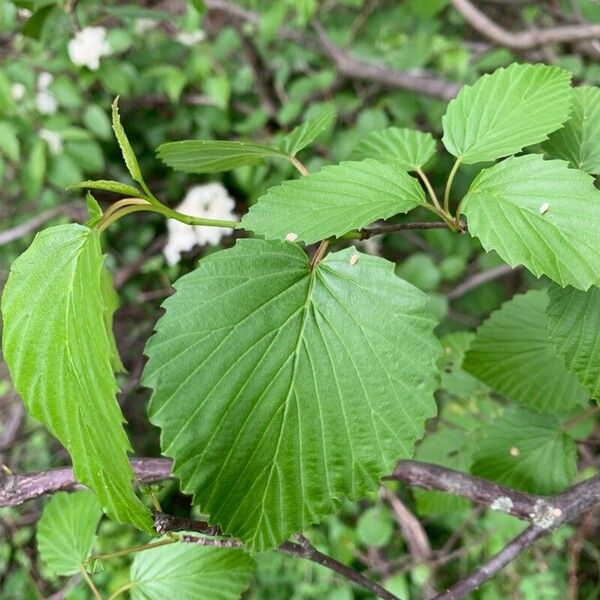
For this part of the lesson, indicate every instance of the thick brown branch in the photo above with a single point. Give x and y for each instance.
(524, 40)
(434, 477)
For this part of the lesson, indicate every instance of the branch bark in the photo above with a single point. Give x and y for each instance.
(523, 40)
(543, 513)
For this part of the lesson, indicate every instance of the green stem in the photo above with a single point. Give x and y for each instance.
(449, 186)
(122, 589)
(90, 583)
(172, 540)
(429, 188)
(131, 207)
(299, 165)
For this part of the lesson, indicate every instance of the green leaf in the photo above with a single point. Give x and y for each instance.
(579, 140)
(94, 210)
(541, 214)
(526, 451)
(128, 155)
(60, 356)
(513, 354)
(305, 134)
(9, 142)
(35, 169)
(503, 112)
(108, 186)
(333, 201)
(204, 156)
(375, 526)
(111, 302)
(447, 448)
(280, 389)
(190, 572)
(406, 148)
(66, 531)
(95, 119)
(574, 328)
(34, 25)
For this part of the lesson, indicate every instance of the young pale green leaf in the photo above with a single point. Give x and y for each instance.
(574, 328)
(541, 214)
(448, 448)
(503, 112)
(526, 451)
(128, 155)
(579, 140)
(94, 210)
(190, 572)
(66, 531)
(279, 389)
(308, 132)
(408, 149)
(108, 186)
(333, 201)
(205, 156)
(513, 354)
(60, 355)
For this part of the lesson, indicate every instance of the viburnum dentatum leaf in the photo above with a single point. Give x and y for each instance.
(207, 156)
(190, 572)
(513, 354)
(541, 214)
(57, 344)
(408, 149)
(66, 531)
(280, 389)
(579, 140)
(307, 132)
(333, 201)
(574, 329)
(526, 451)
(503, 112)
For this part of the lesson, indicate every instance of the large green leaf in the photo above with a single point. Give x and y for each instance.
(190, 572)
(541, 214)
(513, 354)
(59, 352)
(280, 390)
(333, 201)
(504, 112)
(526, 451)
(574, 328)
(579, 140)
(408, 149)
(307, 132)
(66, 531)
(205, 156)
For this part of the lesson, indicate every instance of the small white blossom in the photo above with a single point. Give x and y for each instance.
(190, 38)
(211, 201)
(24, 13)
(53, 139)
(88, 46)
(45, 102)
(17, 91)
(142, 25)
(44, 80)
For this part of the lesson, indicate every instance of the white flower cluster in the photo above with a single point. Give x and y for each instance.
(211, 201)
(190, 38)
(44, 100)
(88, 46)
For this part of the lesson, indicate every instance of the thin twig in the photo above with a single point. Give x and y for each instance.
(523, 40)
(72, 210)
(474, 281)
